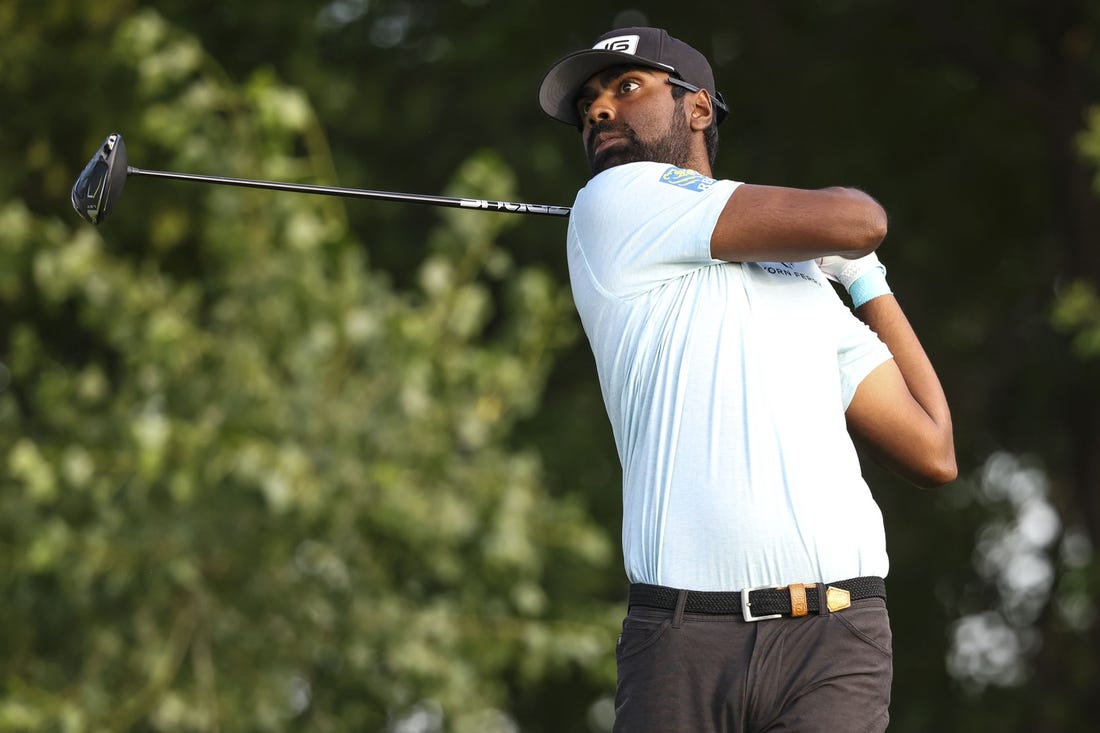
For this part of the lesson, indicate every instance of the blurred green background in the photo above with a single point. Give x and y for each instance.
(274, 462)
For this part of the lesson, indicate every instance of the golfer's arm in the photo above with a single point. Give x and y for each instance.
(899, 410)
(777, 224)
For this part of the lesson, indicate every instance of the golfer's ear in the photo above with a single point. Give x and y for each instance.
(702, 110)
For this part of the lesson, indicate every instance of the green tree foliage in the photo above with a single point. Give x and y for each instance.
(247, 484)
(1077, 307)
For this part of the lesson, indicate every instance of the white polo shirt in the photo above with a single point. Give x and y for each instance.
(726, 386)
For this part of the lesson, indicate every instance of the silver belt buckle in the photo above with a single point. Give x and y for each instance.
(746, 614)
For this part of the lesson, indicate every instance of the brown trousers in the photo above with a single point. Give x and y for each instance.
(697, 673)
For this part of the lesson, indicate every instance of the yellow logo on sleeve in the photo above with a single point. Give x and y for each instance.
(686, 178)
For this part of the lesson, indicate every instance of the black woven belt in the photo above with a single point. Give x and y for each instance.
(754, 603)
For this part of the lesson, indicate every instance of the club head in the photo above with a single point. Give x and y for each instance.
(99, 185)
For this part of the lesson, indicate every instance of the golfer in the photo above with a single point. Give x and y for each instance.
(736, 380)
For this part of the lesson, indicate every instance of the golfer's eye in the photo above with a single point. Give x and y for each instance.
(626, 86)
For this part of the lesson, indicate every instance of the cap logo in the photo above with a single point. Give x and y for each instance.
(622, 44)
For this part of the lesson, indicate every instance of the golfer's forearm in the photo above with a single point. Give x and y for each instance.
(776, 224)
(885, 318)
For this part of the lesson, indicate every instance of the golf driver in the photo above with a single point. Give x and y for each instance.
(99, 186)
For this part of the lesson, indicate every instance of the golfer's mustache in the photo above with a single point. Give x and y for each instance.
(607, 126)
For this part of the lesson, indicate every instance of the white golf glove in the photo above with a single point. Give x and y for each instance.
(863, 278)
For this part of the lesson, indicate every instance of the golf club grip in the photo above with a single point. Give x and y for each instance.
(448, 201)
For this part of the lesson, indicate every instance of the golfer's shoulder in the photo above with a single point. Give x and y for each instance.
(643, 186)
(611, 182)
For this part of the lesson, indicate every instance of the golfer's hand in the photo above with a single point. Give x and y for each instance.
(845, 271)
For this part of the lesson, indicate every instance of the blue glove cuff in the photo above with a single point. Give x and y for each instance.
(869, 286)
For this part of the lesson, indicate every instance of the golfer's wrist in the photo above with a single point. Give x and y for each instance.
(868, 286)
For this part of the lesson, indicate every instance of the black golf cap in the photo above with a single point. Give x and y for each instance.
(635, 46)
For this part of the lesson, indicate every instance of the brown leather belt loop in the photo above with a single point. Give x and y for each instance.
(799, 605)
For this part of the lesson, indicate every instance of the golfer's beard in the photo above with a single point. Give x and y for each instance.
(673, 147)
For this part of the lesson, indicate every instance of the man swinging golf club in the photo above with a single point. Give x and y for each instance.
(735, 379)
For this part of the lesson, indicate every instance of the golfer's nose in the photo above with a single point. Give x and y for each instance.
(602, 108)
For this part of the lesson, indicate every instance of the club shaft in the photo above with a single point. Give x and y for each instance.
(448, 201)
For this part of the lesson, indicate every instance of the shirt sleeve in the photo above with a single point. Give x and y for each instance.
(859, 351)
(637, 226)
